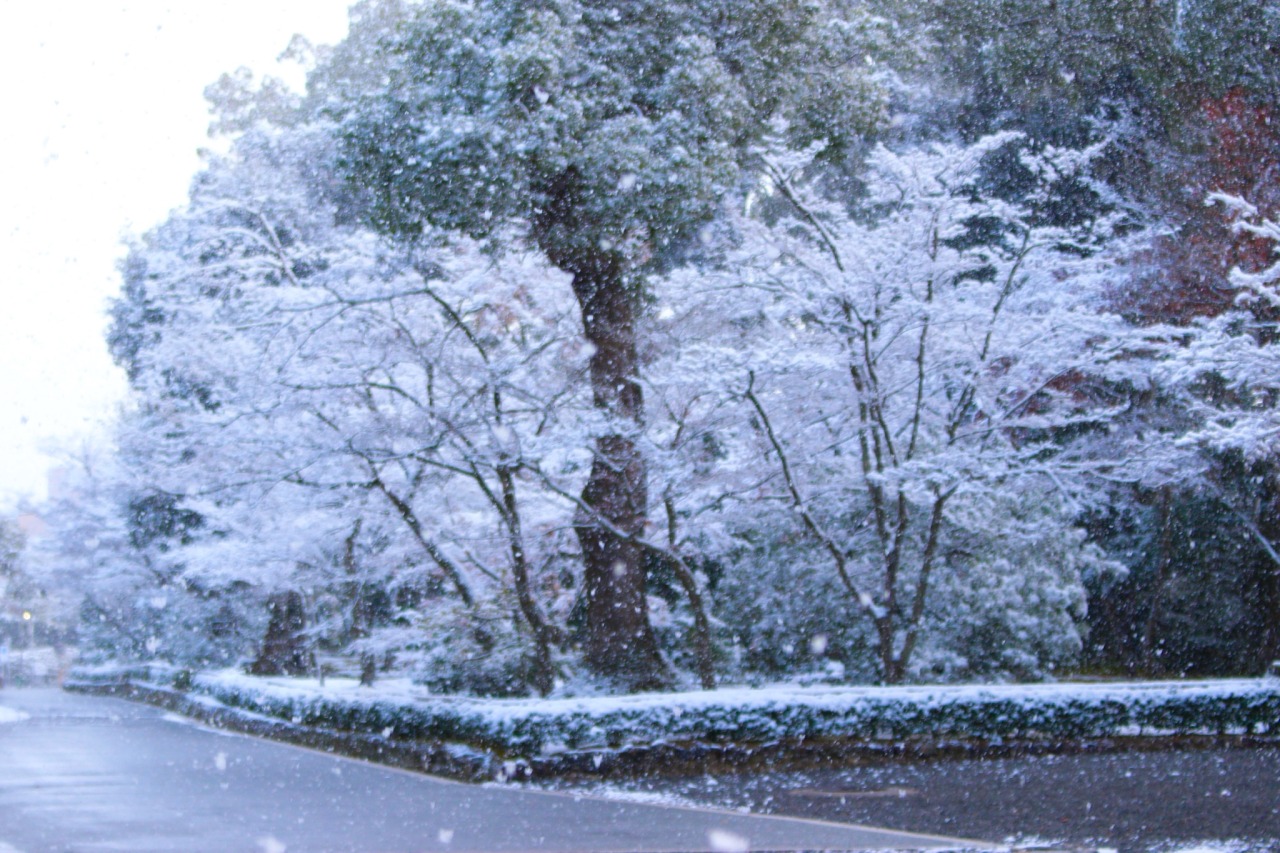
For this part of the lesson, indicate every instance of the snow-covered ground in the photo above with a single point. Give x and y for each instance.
(9, 715)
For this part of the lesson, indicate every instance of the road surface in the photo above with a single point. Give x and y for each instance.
(83, 773)
(1205, 799)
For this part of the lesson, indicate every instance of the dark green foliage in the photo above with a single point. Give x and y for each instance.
(603, 126)
(1195, 600)
(504, 676)
(1051, 65)
(135, 320)
(160, 520)
(784, 616)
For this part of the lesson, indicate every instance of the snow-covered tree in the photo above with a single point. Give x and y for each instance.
(607, 135)
(534, 324)
(305, 385)
(1239, 347)
(913, 371)
(1225, 369)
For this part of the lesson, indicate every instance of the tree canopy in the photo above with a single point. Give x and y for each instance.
(563, 346)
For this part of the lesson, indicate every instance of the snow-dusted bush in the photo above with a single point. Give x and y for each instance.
(740, 719)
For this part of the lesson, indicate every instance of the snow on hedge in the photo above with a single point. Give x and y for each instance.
(743, 716)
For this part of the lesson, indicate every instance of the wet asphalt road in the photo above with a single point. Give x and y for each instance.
(88, 773)
(1126, 801)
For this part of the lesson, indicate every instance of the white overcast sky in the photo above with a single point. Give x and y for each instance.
(103, 114)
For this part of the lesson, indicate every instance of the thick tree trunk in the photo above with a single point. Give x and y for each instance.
(284, 647)
(619, 643)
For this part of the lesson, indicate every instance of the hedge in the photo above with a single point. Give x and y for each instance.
(594, 733)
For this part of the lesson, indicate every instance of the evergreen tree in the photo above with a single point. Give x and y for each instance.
(610, 132)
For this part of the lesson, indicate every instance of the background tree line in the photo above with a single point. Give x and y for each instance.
(648, 344)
